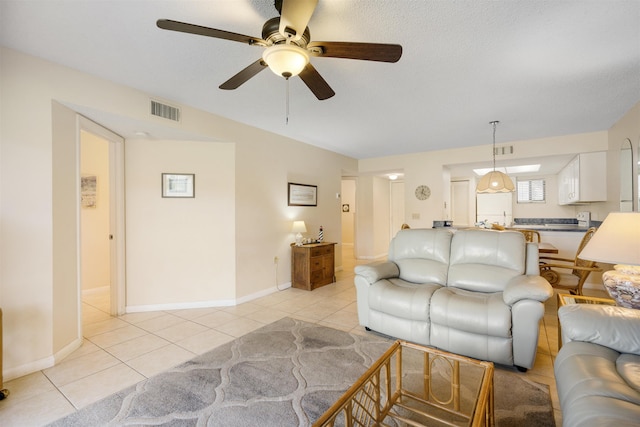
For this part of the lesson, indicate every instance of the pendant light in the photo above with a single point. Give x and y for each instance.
(495, 181)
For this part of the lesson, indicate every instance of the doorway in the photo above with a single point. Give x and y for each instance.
(101, 225)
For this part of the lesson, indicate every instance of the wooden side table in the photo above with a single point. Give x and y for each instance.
(312, 265)
(568, 299)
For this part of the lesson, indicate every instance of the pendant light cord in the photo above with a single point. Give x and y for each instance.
(494, 123)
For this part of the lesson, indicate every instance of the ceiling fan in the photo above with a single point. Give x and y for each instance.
(288, 47)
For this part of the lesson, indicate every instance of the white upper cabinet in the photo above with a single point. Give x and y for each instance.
(584, 179)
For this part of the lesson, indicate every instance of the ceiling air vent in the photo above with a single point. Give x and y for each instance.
(505, 149)
(165, 111)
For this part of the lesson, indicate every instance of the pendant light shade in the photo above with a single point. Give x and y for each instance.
(286, 60)
(495, 181)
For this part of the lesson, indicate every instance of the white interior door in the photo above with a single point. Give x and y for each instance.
(116, 232)
(397, 207)
(461, 211)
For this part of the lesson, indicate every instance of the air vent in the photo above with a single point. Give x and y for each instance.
(165, 111)
(505, 149)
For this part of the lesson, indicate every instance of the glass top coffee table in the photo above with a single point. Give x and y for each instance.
(416, 385)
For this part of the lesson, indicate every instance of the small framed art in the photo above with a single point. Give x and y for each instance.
(302, 194)
(179, 185)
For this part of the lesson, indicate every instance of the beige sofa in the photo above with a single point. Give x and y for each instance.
(473, 292)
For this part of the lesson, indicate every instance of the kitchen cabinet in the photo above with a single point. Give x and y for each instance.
(584, 179)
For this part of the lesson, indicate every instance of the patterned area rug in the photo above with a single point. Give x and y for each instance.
(287, 373)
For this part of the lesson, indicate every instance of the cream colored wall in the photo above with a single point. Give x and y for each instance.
(38, 233)
(180, 251)
(429, 168)
(94, 233)
(348, 218)
(627, 127)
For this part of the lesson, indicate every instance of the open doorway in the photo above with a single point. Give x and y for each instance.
(101, 217)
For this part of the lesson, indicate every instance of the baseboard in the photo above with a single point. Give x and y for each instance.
(67, 350)
(206, 304)
(28, 368)
(179, 306)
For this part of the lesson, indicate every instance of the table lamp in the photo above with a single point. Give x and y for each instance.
(298, 227)
(617, 241)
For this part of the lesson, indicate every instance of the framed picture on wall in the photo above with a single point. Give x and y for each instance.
(179, 185)
(88, 191)
(302, 194)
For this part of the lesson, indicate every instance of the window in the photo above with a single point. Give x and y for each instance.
(531, 191)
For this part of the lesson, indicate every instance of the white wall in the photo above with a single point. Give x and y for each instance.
(180, 251)
(39, 196)
(95, 245)
(348, 218)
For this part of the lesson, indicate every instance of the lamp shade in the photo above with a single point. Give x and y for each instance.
(286, 60)
(495, 182)
(298, 227)
(617, 240)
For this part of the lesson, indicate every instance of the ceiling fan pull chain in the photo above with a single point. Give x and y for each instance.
(286, 121)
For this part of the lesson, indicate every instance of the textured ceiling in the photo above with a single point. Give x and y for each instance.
(543, 68)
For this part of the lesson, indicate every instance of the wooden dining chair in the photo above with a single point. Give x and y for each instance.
(569, 274)
(530, 235)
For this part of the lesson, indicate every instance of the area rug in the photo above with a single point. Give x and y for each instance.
(287, 373)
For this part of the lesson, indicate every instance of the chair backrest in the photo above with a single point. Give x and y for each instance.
(530, 235)
(581, 274)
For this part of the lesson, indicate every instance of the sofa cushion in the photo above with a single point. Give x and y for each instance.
(473, 312)
(590, 389)
(485, 261)
(628, 366)
(422, 255)
(402, 299)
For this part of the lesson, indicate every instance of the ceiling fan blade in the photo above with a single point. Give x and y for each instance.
(316, 83)
(296, 15)
(364, 51)
(183, 27)
(244, 75)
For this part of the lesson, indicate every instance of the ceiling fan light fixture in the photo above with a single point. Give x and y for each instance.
(495, 181)
(286, 60)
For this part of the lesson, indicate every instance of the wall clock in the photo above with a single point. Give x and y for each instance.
(423, 192)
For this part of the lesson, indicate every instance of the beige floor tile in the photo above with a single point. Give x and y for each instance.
(136, 318)
(316, 312)
(181, 331)
(137, 347)
(190, 314)
(267, 315)
(80, 367)
(35, 411)
(239, 327)
(159, 360)
(243, 309)
(108, 325)
(27, 387)
(346, 319)
(101, 384)
(109, 339)
(86, 348)
(205, 341)
(158, 323)
(216, 319)
(91, 314)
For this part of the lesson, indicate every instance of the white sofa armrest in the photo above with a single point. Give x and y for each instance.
(531, 287)
(617, 328)
(377, 271)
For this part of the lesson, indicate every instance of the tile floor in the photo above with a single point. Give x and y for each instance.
(119, 352)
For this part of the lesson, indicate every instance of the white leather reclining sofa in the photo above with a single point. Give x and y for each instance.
(472, 292)
(598, 367)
